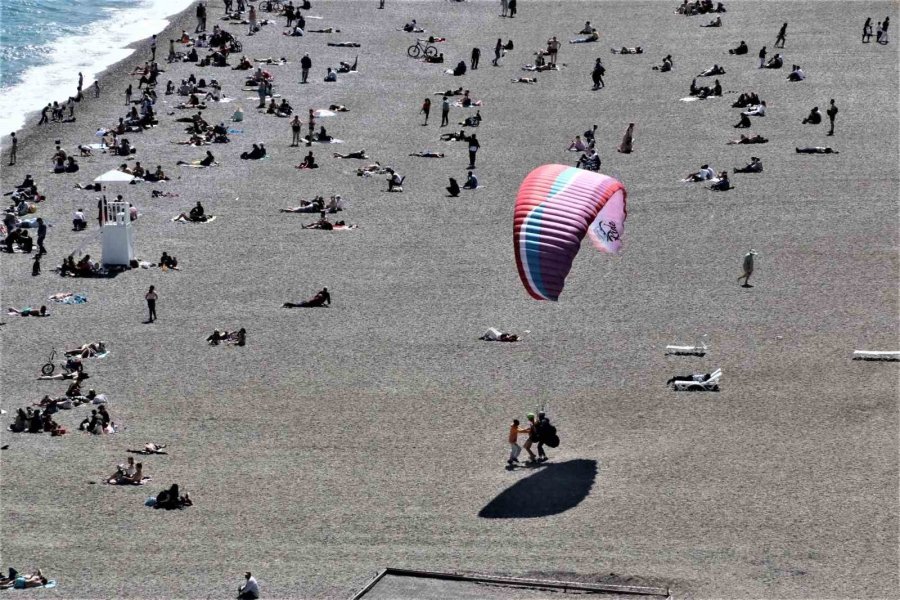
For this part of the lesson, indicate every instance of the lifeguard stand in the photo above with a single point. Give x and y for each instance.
(117, 233)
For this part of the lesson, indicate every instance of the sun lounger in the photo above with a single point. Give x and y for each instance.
(710, 385)
(875, 355)
(698, 350)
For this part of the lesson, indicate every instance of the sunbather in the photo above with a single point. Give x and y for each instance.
(817, 150)
(627, 50)
(713, 70)
(428, 154)
(755, 166)
(322, 298)
(315, 205)
(740, 49)
(723, 184)
(360, 154)
(753, 139)
(705, 173)
(699, 377)
(592, 36)
(150, 448)
(29, 312)
(524, 80)
(455, 137)
(322, 223)
(88, 350)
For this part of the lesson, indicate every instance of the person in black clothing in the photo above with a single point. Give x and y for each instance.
(474, 145)
(322, 298)
(782, 36)
(453, 188)
(201, 18)
(498, 50)
(476, 55)
(44, 115)
(814, 117)
(305, 66)
(597, 74)
(41, 234)
(831, 112)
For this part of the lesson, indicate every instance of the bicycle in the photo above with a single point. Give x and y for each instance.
(416, 50)
(69, 366)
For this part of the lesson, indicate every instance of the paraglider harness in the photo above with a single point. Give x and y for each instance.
(546, 433)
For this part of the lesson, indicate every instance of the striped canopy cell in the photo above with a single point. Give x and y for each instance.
(555, 207)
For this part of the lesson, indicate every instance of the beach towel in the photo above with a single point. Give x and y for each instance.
(345, 227)
(69, 298)
(144, 481)
(322, 112)
(235, 131)
(331, 141)
(209, 219)
(198, 166)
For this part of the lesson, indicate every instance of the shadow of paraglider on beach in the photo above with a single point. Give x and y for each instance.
(555, 488)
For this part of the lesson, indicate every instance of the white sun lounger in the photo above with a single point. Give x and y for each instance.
(710, 385)
(698, 350)
(876, 355)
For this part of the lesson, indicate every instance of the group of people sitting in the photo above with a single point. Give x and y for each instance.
(317, 205)
(699, 7)
(170, 499)
(129, 473)
(471, 183)
(85, 267)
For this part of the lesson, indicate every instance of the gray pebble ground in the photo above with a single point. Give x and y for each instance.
(372, 433)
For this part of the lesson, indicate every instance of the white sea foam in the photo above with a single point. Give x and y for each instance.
(102, 44)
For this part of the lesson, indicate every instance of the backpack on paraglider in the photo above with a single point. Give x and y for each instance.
(549, 437)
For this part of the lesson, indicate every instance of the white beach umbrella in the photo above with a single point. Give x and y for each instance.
(114, 177)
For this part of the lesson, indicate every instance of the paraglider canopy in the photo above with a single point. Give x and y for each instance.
(555, 207)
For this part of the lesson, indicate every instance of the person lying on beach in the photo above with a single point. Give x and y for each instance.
(88, 350)
(439, 59)
(796, 74)
(448, 93)
(257, 152)
(473, 121)
(756, 111)
(149, 448)
(322, 223)
(717, 22)
(338, 108)
(817, 150)
(592, 36)
(208, 161)
(29, 312)
(753, 139)
(666, 65)
(722, 185)
(326, 30)
(321, 299)
(157, 175)
(62, 376)
(776, 62)
(524, 80)
(317, 204)
(33, 580)
(495, 335)
(455, 137)
(741, 49)
(346, 67)
(412, 28)
(344, 44)
(705, 173)
(428, 154)
(372, 169)
(309, 162)
(627, 50)
(699, 377)
(755, 166)
(360, 154)
(453, 188)
(713, 70)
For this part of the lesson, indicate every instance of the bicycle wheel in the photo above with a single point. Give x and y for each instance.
(414, 51)
(48, 369)
(431, 51)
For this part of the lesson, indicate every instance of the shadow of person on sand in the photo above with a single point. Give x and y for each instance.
(553, 489)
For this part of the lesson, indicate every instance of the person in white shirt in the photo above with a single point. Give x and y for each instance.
(796, 74)
(705, 173)
(79, 223)
(250, 589)
(756, 111)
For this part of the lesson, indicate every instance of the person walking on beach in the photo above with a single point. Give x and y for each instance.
(498, 50)
(296, 128)
(762, 57)
(201, 18)
(250, 589)
(473, 150)
(597, 74)
(867, 31)
(96, 89)
(445, 111)
(153, 49)
(504, 8)
(782, 36)
(305, 66)
(476, 55)
(832, 113)
(426, 108)
(312, 127)
(13, 148)
(151, 297)
(531, 430)
(41, 234)
(748, 268)
(553, 49)
(128, 93)
(512, 8)
(514, 448)
(44, 112)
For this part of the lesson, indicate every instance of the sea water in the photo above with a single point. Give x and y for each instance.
(44, 44)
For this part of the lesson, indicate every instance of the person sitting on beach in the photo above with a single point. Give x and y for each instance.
(330, 76)
(589, 160)
(413, 28)
(753, 139)
(453, 188)
(755, 166)
(322, 223)
(237, 338)
(29, 312)
(713, 70)
(741, 49)
(296, 31)
(744, 123)
(460, 69)
(322, 136)
(395, 181)
(627, 50)
(814, 117)
(170, 499)
(471, 181)
(158, 175)
(666, 65)
(524, 80)
(796, 74)
(309, 162)
(776, 62)
(344, 44)
(257, 152)
(592, 36)
(207, 161)
(360, 154)
(816, 150)
(586, 29)
(473, 121)
(321, 299)
(346, 67)
(705, 173)
(577, 145)
(717, 22)
(746, 99)
(169, 262)
(196, 215)
(722, 185)
(756, 111)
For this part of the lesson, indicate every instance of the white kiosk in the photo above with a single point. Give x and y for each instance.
(117, 234)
